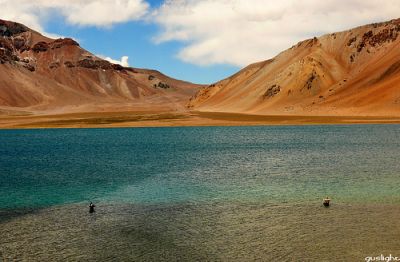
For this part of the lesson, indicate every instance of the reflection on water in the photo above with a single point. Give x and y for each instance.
(217, 232)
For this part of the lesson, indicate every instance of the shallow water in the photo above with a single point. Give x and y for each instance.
(211, 193)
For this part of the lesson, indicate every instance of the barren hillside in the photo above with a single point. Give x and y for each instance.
(355, 72)
(43, 75)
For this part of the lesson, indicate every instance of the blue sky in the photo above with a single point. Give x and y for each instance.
(134, 39)
(201, 41)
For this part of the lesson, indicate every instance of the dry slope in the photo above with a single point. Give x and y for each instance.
(43, 75)
(355, 72)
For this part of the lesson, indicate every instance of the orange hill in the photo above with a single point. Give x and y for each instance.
(355, 72)
(351, 73)
(43, 75)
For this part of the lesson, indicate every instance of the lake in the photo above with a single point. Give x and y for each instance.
(200, 193)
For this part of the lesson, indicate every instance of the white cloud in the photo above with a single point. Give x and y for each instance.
(240, 32)
(103, 12)
(236, 32)
(123, 61)
(19, 12)
(100, 13)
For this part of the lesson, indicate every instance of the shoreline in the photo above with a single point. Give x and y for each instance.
(178, 119)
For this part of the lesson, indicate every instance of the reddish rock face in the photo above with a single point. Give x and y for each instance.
(29, 67)
(6, 51)
(386, 35)
(6, 44)
(19, 43)
(272, 91)
(117, 67)
(99, 64)
(10, 28)
(58, 43)
(161, 85)
(24, 48)
(351, 41)
(40, 47)
(94, 64)
(54, 65)
(69, 64)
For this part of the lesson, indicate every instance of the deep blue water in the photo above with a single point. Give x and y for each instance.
(43, 168)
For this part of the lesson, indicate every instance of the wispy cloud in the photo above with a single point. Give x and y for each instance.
(235, 32)
(100, 13)
(240, 32)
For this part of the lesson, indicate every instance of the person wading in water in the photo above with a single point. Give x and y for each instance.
(91, 207)
(327, 201)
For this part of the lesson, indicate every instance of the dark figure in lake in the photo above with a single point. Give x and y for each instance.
(326, 202)
(91, 207)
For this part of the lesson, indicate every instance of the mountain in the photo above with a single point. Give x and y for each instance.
(43, 75)
(355, 72)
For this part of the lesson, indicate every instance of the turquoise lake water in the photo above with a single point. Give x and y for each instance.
(204, 193)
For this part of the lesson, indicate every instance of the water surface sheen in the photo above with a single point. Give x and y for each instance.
(205, 193)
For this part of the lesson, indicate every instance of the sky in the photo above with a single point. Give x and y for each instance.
(201, 41)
